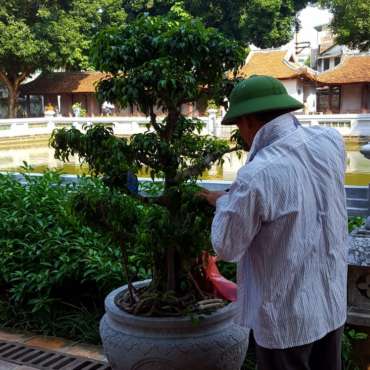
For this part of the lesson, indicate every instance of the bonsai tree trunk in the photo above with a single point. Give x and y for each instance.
(171, 269)
(171, 259)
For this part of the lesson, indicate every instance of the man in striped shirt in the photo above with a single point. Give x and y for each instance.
(284, 222)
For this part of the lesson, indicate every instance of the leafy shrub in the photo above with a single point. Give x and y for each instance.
(350, 336)
(354, 222)
(55, 271)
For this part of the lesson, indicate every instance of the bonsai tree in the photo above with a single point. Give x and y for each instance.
(156, 61)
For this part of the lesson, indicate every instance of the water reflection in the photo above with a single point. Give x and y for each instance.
(40, 156)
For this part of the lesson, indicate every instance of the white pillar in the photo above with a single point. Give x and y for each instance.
(59, 98)
(211, 126)
(51, 124)
(43, 103)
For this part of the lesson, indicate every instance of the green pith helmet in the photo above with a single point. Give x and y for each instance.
(259, 94)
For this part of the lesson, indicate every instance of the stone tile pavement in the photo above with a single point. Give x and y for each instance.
(49, 343)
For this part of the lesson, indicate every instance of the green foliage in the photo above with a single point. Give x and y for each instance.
(354, 222)
(266, 23)
(351, 22)
(78, 110)
(163, 61)
(349, 336)
(104, 153)
(36, 36)
(148, 229)
(82, 20)
(212, 105)
(55, 271)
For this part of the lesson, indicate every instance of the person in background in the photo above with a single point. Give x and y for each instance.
(107, 108)
(284, 222)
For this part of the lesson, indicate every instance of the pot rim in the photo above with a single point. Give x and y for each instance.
(117, 314)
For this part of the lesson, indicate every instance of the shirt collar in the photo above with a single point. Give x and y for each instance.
(272, 131)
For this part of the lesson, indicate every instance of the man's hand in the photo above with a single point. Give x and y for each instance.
(211, 196)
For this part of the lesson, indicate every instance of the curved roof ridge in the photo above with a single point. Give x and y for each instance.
(63, 83)
(351, 69)
(273, 63)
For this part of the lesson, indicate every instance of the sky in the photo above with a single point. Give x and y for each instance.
(311, 17)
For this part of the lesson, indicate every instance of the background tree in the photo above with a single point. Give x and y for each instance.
(351, 22)
(46, 35)
(156, 61)
(265, 23)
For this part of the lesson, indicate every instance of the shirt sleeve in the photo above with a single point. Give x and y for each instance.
(237, 221)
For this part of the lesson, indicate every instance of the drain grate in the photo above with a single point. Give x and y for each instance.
(38, 358)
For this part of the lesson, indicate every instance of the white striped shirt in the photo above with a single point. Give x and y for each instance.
(284, 221)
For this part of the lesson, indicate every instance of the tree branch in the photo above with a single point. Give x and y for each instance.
(173, 116)
(6, 80)
(153, 120)
(198, 168)
(20, 79)
(13, 86)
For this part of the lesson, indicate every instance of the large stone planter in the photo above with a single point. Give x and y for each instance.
(146, 343)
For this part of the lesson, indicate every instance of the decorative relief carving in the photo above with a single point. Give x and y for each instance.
(220, 350)
(154, 364)
(363, 285)
(232, 357)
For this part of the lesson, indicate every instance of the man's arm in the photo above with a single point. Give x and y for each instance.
(237, 220)
(211, 196)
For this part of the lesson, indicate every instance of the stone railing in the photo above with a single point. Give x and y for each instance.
(125, 126)
(45, 125)
(346, 124)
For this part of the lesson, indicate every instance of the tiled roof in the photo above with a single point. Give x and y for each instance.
(273, 63)
(63, 82)
(352, 69)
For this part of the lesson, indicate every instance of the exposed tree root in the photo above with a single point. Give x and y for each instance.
(152, 303)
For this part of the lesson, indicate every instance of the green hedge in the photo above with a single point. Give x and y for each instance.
(54, 271)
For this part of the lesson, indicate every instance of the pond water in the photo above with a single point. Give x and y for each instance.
(37, 154)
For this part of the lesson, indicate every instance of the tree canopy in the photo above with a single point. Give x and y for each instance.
(351, 22)
(265, 23)
(50, 34)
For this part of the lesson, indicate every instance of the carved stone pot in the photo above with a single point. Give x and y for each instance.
(150, 343)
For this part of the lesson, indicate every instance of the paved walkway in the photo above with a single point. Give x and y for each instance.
(49, 343)
(9, 366)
